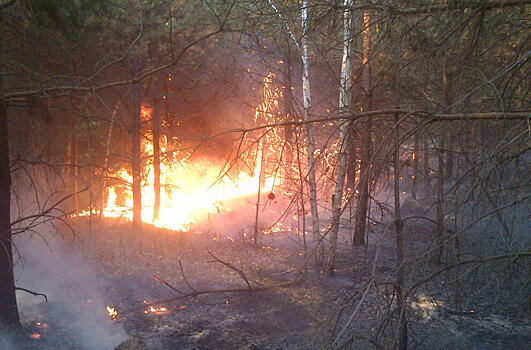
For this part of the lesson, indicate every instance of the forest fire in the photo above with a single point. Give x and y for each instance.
(191, 190)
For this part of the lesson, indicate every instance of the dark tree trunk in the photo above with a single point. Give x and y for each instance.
(75, 171)
(8, 302)
(365, 134)
(363, 188)
(260, 180)
(136, 165)
(352, 157)
(402, 339)
(426, 166)
(288, 110)
(437, 249)
(440, 171)
(450, 156)
(415, 167)
(156, 160)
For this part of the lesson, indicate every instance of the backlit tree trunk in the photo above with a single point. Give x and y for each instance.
(365, 132)
(105, 196)
(344, 106)
(136, 165)
(75, 170)
(288, 108)
(156, 159)
(8, 302)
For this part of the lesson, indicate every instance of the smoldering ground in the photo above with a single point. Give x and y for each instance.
(76, 304)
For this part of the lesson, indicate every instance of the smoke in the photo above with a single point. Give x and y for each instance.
(5, 343)
(76, 302)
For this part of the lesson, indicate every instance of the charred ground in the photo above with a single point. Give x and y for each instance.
(309, 314)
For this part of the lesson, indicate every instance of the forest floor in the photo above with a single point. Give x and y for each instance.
(299, 316)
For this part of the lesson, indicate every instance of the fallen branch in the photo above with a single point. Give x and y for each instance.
(232, 267)
(227, 290)
(184, 277)
(160, 280)
(197, 292)
(32, 292)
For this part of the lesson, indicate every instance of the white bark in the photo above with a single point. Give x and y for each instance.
(307, 104)
(344, 105)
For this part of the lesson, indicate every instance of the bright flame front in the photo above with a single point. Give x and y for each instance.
(190, 190)
(188, 194)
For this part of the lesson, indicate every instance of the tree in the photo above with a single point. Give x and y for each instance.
(8, 303)
(344, 107)
(366, 142)
(307, 106)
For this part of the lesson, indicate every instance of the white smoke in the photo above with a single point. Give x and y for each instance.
(76, 303)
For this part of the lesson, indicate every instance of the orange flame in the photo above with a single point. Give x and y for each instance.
(190, 191)
(112, 312)
(156, 310)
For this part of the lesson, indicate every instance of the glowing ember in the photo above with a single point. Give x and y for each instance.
(157, 310)
(112, 312)
(35, 336)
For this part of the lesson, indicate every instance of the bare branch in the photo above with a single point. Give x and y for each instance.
(32, 292)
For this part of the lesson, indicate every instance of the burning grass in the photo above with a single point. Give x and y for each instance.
(129, 261)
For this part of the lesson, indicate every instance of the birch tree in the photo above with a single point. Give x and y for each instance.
(307, 105)
(344, 105)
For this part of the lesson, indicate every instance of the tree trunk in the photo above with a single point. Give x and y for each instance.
(75, 170)
(303, 208)
(415, 176)
(156, 159)
(105, 194)
(288, 110)
(365, 153)
(402, 322)
(426, 165)
(261, 151)
(68, 156)
(344, 106)
(352, 156)
(450, 156)
(136, 165)
(363, 189)
(8, 301)
(437, 248)
(402, 339)
(307, 103)
(352, 167)
(440, 171)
